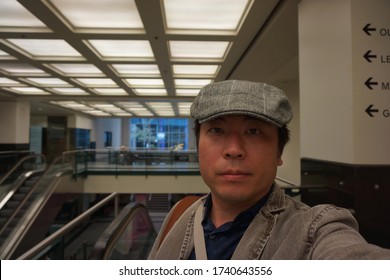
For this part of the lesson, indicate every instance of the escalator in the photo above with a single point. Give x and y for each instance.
(29, 208)
(130, 235)
(24, 213)
(17, 201)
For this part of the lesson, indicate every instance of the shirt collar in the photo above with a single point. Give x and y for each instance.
(244, 217)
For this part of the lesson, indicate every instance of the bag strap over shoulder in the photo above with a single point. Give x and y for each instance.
(179, 209)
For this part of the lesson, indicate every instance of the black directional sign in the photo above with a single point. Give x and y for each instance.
(368, 56)
(370, 110)
(368, 29)
(369, 83)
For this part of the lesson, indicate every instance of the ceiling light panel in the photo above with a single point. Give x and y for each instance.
(160, 105)
(150, 91)
(21, 69)
(184, 108)
(14, 15)
(109, 91)
(124, 114)
(200, 15)
(135, 108)
(98, 113)
(72, 105)
(75, 69)
(195, 70)
(137, 70)
(192, 83)
(198, 49)
(187, 92)
(8, 82)
(48, 81)
(92, 82)
(4, 55)
(29, 90)
(45, 48)
(70, 91)
(99, 15)
(126, 49)
(145, 82)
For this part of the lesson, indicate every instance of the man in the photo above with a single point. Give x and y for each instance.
(241, 130)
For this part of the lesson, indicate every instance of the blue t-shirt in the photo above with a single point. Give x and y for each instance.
(222, 242)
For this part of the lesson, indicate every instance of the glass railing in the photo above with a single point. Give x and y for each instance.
(129, 237)
(115, 160)
(31, 205)
(8, 159)
(16, 175)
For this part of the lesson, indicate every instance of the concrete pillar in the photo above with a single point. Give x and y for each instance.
(14, 126)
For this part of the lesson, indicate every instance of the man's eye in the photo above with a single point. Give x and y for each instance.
(215, 130)
(253, 131)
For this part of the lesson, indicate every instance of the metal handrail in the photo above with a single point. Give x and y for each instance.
(19, 163)
(106, 242)
(65, 229)
(9, 246)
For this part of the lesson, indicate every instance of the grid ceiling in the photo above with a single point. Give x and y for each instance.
(122, 58)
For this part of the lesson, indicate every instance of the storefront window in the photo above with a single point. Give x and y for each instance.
(159, 133)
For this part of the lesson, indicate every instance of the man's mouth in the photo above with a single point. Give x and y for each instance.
(234, 174)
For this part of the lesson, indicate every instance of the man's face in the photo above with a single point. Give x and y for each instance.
(238, 158)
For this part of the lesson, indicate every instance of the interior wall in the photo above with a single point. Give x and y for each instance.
(272, 55)
(108, 124)
(325, 70)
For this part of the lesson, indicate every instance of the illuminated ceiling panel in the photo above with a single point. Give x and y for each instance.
(137, 69)
(192, 83)
(29, 90)
(8, 82)
(187, 92)
(96, 82)
(102, 14)
(198, 49)
(110, 91)
(122, 48)
(205, 15)
(145, 83)
(69, 69)
(13, 14)
(45, 47)
(184, 108)
(5, 55)
(70, 91)
(127, 53)
(20, 69)
(47, 81)
(195, 70)
(150, 91)
(163, 109)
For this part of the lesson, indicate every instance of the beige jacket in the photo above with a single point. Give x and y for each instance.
(283, 229)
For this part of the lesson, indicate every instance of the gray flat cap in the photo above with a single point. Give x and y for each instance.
(233, 97)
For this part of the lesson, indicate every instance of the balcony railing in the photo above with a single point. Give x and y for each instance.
(132, 161)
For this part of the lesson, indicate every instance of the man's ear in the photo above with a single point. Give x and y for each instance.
(280, 162)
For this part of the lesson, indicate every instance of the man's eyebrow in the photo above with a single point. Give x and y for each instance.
(218, 119)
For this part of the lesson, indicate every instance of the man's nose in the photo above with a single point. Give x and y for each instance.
(234, 147)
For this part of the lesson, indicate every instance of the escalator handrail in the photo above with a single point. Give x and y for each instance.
(108, 239)
(65, 229)
(12, 190)
(19, 163)
(15, 237)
